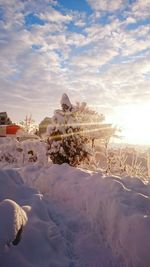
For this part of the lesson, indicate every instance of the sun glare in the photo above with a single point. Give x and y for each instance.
(134, 122)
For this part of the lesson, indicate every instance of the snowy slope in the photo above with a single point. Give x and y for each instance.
(77, 218)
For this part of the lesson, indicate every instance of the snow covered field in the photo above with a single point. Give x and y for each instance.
(70, 217)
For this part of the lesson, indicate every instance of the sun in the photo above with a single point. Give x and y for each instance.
(135, 123)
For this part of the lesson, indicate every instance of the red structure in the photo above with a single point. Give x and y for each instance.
(9, 130)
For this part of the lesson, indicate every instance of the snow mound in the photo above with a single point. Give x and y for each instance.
(28, 236)
(13, 187)
(118, 210)
(72, 217)
(12, 219)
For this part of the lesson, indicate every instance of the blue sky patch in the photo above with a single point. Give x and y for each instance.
(139, 23)
(36, 46)
(74, 28)
(104, 19)
(76, 5)
(1, 13)
(33, 19)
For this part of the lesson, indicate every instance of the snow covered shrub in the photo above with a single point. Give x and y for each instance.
(123, 161)
(148, 162)
(28, 151)
(116, 161)
(7, 157)
(9, 151)
(90, 121)
(66, 141)
(137, 167)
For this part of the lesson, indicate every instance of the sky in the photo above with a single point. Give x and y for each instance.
(97, 51)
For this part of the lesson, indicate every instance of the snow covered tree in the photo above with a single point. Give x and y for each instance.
(29, 124)
(72, 131)
(92, 124)
(66, 143)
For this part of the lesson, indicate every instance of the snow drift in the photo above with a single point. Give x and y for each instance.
(40, 244)
(118, 209)
(73, 218)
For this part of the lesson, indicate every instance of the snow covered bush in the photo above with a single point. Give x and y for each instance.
(125, 162)
(92, 124)
(20, 153)
(66, 141)
(89, 120)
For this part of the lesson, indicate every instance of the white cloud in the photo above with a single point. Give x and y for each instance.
(100, 64)
(141, 9)
(94, 59)
(53, 15)
(128, 42)
(106, 5)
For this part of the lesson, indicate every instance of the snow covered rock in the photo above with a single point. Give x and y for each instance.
(12, 220)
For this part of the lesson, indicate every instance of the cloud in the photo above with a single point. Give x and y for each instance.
(140, 9)
(106, 5)
(52, 15)
(120, 83)
(94, 59)
(105, 64)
